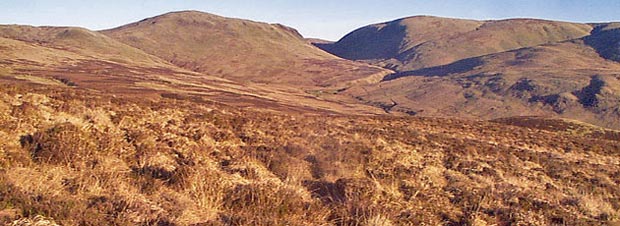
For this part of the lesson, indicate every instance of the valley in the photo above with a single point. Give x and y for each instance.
(190, 118)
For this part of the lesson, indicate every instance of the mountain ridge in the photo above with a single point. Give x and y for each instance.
(412, 50)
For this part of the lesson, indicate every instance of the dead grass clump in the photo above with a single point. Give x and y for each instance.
(26, 113)
(597, 208)
(378, 220)
(206, 191)
(270, 204)
(278, 161)
(48, 192)
(359, 201)
(36, 221)
(64, 144)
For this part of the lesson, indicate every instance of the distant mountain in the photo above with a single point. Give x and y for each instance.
(78, 57)
(240, 50)
(443, 67)
(578, 79)
(424, 41)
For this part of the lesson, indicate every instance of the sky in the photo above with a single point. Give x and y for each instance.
(326, 19)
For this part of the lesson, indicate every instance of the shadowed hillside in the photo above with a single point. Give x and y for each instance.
(577, 79)
(388, 40)
(422, 41)
(604, 39)
(240, 50)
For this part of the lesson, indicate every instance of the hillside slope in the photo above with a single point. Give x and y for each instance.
(604, 39)
(240, 50)
(80, 41)
(422, 41)
(84, 59)
(388, 40)
(572, 79)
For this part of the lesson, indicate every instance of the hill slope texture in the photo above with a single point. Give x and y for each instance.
(239, 50)
(423, 41)
(491, 69)
(82, 58)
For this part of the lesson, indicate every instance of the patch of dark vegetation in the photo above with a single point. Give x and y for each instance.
(605, 41)
(559, 102)
(523, 85)
(358, 45)
(561, 125)
(588, 95)
(496, 84)
(66, 81)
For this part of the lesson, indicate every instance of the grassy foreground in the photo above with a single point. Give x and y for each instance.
(76, 157)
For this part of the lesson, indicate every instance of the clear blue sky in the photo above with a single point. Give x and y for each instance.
(328, 19)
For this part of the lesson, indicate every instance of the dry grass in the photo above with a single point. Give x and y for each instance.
(81, 158)
(92, 136)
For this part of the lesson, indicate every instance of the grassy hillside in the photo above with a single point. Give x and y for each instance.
(560, 125)
(387, 40)
(80, 41)
(86, 59)
(76, 157)
(570, 79)
(420, 42)
(239, 50)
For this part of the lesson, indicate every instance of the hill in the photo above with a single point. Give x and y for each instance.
(240, 50)
(80, 41)
(80, 58)
(423, 41)
(568, 79)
